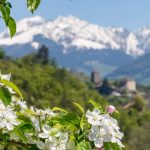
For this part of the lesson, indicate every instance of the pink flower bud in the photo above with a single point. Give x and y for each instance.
(111, 109)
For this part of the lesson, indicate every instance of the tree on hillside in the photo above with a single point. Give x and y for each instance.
(2, 54)
(43, 55)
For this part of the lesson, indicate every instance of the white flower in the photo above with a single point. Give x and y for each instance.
(35, 121)
(110, 124)
(9, 120)
(94, 117)
(99, 136)
(16, 101)
(38, 116)
(60, 141)
(2, 109)
(50, 112)
(104, 129)
(40, 112)
(10, 90)
(5, 76)
(40, 144)
(29, 138)
(116, 140)
(55, 140)
(8, 117)
(22, 104)
(48, 132)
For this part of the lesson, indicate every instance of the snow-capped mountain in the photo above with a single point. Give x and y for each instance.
(73, 32)
(76, 43)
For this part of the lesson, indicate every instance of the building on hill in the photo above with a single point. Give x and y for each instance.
(125, 87)
(106, 88)
(95, 78)
(128, 85)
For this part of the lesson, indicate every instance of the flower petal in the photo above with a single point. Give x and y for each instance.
(9, 126)
(92, 136)
(89, 114)
(43, 135)
(96, 111)
(98, 142)
(40, 144)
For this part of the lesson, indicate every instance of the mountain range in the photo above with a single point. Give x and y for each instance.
(79, 45)
(138, 70)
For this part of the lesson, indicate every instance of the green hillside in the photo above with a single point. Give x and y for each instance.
(44, 85)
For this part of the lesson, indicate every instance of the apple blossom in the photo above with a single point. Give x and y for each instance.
(93, 117)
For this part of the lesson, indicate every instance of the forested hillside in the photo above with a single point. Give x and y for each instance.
(44, 84)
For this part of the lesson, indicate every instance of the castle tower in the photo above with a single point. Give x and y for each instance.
(95, 78)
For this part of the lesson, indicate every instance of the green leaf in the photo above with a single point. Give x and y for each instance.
(3, 2)
(95, 104)
(5, 96)
(27, 127)
(9, 21)
(7, 9)
(20, 134)
(83, 146)
(24, 118)
(82, 122)
(115, 146)
(8, 4)
(69, 119)
(5, 137)
(79, 106)
(107, 146)
(34, 147)
(12, 26)
(33, 4)
(116, 111)
(59, 109)
(3, 12)
(13, 86)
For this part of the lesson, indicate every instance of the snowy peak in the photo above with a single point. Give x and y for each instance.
(71, 32)
(27, 23)
(85, 35)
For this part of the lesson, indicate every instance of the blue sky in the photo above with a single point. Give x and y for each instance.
(130, 14)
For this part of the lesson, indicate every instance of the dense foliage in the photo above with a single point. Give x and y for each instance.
(28, 128)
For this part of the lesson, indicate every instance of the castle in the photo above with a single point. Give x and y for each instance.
(95, 78)
(128, 84)
(125, 85)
